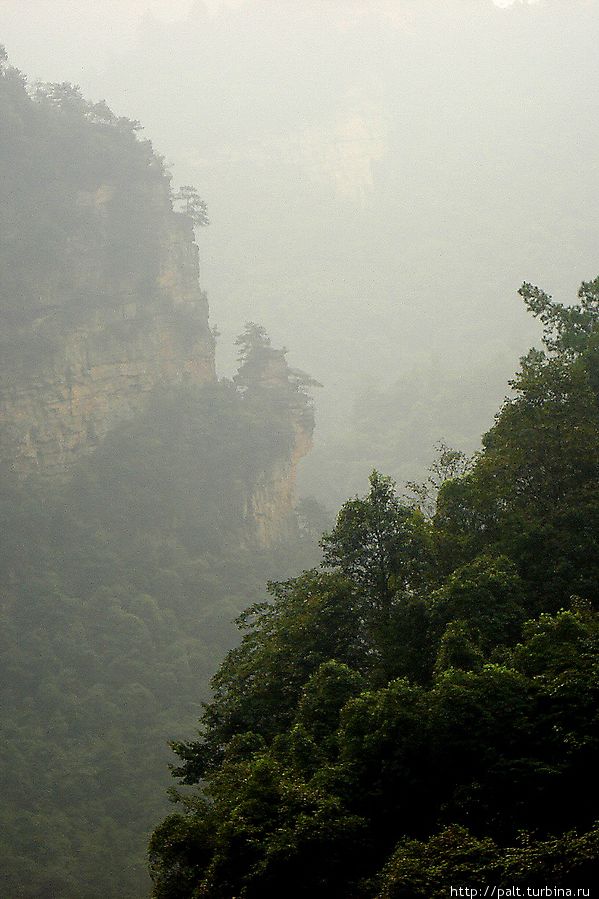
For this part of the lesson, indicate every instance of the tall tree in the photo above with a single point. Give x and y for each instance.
(394, 720)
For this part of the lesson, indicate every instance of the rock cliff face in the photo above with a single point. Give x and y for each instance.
(265, 374)
(100, 301)
(72, 374)
(269, 505)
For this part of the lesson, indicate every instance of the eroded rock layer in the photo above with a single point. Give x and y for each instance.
(71, 374)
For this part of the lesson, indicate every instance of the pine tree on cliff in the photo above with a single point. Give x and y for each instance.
(189, 202)
(262, 367)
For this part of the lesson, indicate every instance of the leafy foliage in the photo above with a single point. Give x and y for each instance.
(423, 711)
(423, 869)
(118, 588)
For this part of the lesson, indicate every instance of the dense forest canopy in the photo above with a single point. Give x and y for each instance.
(118, 592)
(422, 710)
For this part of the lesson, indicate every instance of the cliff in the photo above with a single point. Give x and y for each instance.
(271, 498)
(100, 301)
(72, 378)
(270, 502)
(138, 493)
(268, 383)
(99, 293)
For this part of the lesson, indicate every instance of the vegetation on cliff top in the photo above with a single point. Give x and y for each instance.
(85, 202)
(422, 712)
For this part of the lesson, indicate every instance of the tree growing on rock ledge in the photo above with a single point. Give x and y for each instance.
(188, 201)
(262, 367)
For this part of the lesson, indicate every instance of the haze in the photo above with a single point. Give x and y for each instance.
(380, 177)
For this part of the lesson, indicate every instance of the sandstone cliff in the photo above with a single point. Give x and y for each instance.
(272, 498)
(72, 374)
(100, 299)
(265, 378)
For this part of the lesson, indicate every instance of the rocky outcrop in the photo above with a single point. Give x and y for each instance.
(266, 376)
(270, 503)
(74, 371)
(100, 302)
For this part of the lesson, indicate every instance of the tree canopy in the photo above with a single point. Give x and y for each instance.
(422, 710)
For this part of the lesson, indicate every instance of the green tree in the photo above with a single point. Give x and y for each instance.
(261, 366)
(372, 543)
(412, 710)
(384, 548)
(422, 869)
(532, 492)
(488, 595)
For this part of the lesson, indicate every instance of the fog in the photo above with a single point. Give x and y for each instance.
(380, 178)
(407, 701)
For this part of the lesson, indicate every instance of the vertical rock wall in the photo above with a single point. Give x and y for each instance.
(272, 499)
(75, 371)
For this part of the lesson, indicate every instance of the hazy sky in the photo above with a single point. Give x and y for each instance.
(75, 26)
(446, 123)
(381, 175)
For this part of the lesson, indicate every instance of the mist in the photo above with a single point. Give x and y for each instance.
(186, 406)
(380, 177)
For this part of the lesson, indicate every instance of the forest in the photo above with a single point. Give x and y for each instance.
(421, 711)
(212, 685)
(119, 588)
